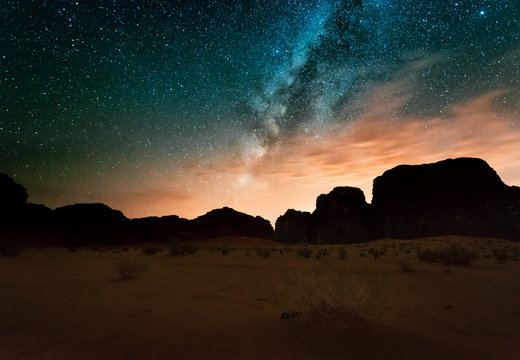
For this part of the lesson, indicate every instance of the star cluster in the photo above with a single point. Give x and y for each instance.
(109, 100)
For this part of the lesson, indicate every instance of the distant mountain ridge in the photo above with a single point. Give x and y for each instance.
(463, 196)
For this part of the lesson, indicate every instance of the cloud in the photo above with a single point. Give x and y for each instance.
(295, 171)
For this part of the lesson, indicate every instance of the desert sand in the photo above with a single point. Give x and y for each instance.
(62, 304)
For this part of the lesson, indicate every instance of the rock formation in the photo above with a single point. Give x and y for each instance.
(157, 229)
(294, 227)
(226, 221)
(462, 196)
(13, 200)
(93, 223)
(342, 216)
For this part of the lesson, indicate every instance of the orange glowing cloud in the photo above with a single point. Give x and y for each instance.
(292, 173)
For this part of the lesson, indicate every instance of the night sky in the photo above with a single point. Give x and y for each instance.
(178, 107)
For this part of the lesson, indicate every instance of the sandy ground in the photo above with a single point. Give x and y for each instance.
(57, 304)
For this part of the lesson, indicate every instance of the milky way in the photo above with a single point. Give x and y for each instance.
(168, 107)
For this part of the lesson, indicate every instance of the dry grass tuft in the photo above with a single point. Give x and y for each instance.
(332, 296)
(129, 267)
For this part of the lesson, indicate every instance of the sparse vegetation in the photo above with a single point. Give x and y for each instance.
(453, 254)
(506, 253)
(177, 247)
(331, 296)
(305, 252)
(405, 266)
(263, 252)
(150, 249)
(224, 250)
(129, 267)
(342, 253)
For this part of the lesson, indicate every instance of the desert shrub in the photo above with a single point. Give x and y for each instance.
(224, 250)
(342, 253)
(331, 295)
(506, 253)
(323, 251)
(263, 252)
(129, 267)
(405, 266)
(375, 254)
(189, 248)
(305, 252)
(452, 254)
(177, 247)
(150, 249)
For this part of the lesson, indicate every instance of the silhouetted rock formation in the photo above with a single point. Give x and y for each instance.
(93, 223)
(341, 216)
(13, 201)
(462, 196)
(294, 227)
(226, 222)
(157, 229)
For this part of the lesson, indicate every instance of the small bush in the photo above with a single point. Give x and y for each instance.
(342, 253)
(331, 296)
(176, 248)
(129, 267)
(189, 248)
(507, 253)
(305, 252)
(150, 249)
(453, 254)
(405, 266)
(180, 248)
(224, 250)
(263, 252)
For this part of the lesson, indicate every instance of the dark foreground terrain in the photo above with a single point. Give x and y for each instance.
(226, 301)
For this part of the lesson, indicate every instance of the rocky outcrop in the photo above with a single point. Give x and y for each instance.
(294, 227)
(157, 229)
(228, 222)
(462, 196)
(13, 201)
(341, 216)
(93, 223)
